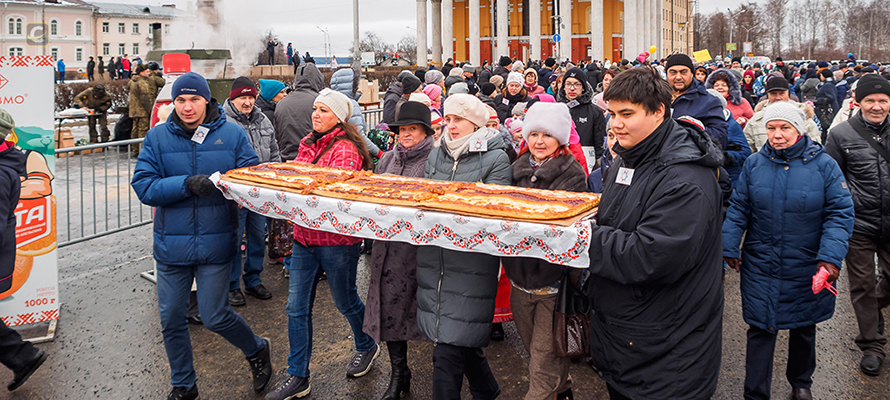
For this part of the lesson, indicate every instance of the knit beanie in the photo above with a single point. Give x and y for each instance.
(492, 114)
(269, 88)
(6, 124)
(519, 109)
(191, 83)
(497, 81)
(514, 77)
(517, 66)
(826, 73)
(432, 91)
(468, 68)
(337, 102)
(433, 77)
(552, 118)
(410, 83)
(420, 98)
(455, 71)
(436, 117)
(514, 125)
(823, 64)
(531, 71)
(549, 62)
(504, 61)
(403, 74)
(457, 88)
(871, 84)
(679, 59)
(784, 111)
(487, 88)
(242, 86)
(467, 107)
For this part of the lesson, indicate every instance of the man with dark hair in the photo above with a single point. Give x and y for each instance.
(690, 98)
(657, 288)
(91, 66)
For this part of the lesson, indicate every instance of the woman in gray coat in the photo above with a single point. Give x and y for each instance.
(455, 289)
(391, 304)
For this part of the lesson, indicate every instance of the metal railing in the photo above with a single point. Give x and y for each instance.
(372, 117)
(92, 186)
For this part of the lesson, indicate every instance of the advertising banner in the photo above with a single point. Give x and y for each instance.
(26, 92)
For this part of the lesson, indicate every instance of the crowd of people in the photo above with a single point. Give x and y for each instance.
(701, 166)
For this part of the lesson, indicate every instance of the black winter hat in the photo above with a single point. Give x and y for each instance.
(413, 112)
(826, 73)
(735, 59)
(576, 73)
(487, 88)
(776, 83)
(505, 61)
(868, 70)
(679, 59)
(549, 62)
(778, 59)
(757, 65)
(410, 83)
(871, 84)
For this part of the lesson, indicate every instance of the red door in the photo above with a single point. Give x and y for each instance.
(617, 49)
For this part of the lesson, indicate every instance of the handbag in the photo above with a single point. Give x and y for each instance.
(571, 321)
(281, 238)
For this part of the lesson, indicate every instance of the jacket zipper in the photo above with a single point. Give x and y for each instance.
(195, 198)
(439, 294)
(453, 169)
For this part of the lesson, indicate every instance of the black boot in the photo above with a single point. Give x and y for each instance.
(400, 380)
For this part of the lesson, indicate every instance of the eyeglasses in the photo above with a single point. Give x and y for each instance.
(574, 85)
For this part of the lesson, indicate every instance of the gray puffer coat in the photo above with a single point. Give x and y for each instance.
(455, 289)
(259, 130)
(342, 81)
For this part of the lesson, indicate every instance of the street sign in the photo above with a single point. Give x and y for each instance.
(748, 47)
(730, 46)
(556, 38)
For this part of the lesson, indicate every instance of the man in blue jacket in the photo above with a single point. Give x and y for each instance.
(691, 99)
(194, 227)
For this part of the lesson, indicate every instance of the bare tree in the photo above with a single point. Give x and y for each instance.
(373, 43)
(407, 49)
(774, 19)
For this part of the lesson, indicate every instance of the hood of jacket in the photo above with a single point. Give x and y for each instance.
(672, 143)
(309, 77)
(15, 159)
(229, 110)
(735, 91)
(214, 119)
(805, 149)
(394, 88)
(806, 108)
(265, 105)
(341, 81)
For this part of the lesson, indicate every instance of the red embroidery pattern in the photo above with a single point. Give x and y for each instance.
(26, 61)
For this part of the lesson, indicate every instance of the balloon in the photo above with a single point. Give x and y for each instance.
(653, 49)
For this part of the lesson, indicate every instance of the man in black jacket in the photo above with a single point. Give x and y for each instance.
(91, 66)
(866, 168)
(690, 98)
(19, 356)
(655, 254)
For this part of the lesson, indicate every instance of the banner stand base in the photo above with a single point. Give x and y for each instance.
(150, 276)
(32, 332)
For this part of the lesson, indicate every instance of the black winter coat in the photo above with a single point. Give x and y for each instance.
(594, 76)
(390, 99)
(866, 172)
(12, 168)
(656, 284)
(293, 114)
(505, 103)
(502, 72)
(589, 119)
(560, 173)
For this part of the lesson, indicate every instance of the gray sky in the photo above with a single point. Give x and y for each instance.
(299, 21)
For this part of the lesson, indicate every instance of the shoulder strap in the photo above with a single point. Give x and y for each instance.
(871, 140)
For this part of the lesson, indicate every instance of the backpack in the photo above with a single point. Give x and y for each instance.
(759, 85)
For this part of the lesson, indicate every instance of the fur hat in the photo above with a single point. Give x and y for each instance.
(467, 107)
(514, 77)
(468, 68)
(552, 118)
(785, 111)
(337, 102)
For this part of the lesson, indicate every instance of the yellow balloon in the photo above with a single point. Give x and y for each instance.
(653, 49)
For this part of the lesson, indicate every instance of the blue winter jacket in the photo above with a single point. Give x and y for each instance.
(697, 103)
(797, 210)
(738, 149)
(189, 229)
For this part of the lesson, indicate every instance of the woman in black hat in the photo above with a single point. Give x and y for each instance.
(391, 304)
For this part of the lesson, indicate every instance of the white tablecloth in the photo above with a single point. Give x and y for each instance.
(556, 244)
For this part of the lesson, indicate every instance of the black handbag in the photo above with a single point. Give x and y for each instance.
(571, 321)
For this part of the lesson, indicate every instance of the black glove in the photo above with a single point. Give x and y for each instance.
(200, 185)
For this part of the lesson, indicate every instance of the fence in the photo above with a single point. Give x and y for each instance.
(92, 187)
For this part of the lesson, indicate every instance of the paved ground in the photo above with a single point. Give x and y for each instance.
(108, 343)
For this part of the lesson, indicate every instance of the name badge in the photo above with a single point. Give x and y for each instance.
(625, 176)
(478, 145)
(200, 134)
(573, 104)
(505, 101)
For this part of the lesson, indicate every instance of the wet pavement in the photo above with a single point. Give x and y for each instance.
(108, 343)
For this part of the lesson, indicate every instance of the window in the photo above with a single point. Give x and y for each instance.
(121, 28)
(105, 28)
(135, 48)
(78, 28)
(15, 25)
(166, 29)
(53, 27)
(121, 49)
(78, 54)
(135, 28)
(55, 53)
(16, 51)
(106, 49)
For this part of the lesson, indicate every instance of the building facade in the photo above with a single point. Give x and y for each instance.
(528, 29)
(127, 29)
(60, 28)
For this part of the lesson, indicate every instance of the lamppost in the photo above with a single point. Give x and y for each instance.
(326, 38)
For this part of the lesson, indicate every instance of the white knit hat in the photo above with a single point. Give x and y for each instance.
(337, 102)
(785, 111)
(468, 107)
(514, 77)
(552, 118)
(420, 98)
(517, 66)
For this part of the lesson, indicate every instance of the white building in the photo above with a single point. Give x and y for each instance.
(127, 28)
(61, 28)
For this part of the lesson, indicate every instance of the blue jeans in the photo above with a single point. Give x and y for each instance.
(307, 264)
(174, 286)
(255, 225)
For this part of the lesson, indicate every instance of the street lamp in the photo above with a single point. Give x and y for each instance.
(326, 38)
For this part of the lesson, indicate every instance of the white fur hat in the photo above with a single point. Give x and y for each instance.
(514, 77)
(468, 107)
(552, 118)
